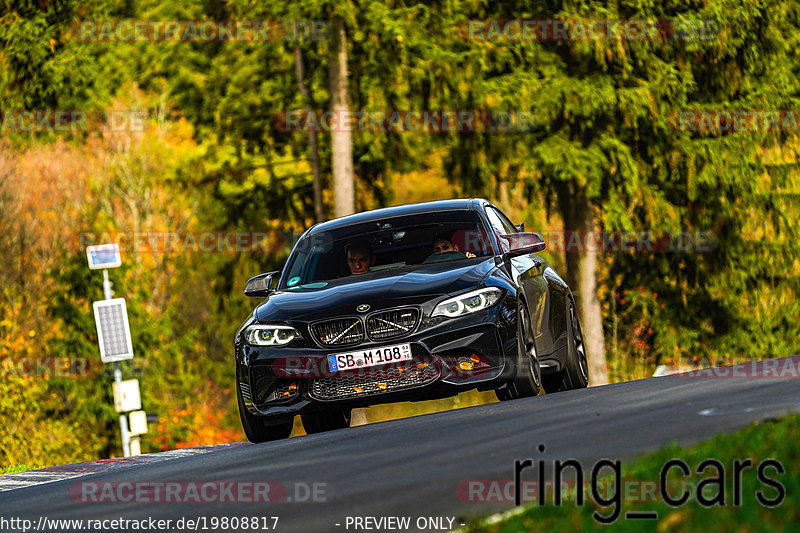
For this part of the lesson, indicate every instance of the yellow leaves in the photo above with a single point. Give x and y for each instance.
(420, 186)
(672, 520)
(32, 436)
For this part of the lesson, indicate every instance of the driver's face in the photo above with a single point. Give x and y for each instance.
(359, 261)
(442, 246)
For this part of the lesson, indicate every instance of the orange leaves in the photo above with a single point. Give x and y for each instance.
(200, 424)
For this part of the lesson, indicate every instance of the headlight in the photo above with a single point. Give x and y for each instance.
(270, 335)
(468, 303)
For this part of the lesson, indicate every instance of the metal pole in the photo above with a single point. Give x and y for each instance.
(123, 418)
(107, 285)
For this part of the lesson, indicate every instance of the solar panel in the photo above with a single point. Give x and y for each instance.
(103, 256)
(113, 331)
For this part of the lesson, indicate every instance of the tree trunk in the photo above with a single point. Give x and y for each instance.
(341, 143)
(576, 210)
(319, 213)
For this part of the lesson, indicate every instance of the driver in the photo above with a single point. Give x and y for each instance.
(359, 257)
(442, 244)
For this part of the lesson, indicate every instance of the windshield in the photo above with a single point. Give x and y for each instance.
(393, 242)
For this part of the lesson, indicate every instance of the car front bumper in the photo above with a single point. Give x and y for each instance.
(448, 357)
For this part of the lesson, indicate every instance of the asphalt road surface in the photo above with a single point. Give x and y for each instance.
(420, 467)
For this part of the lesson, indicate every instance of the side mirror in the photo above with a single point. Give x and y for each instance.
(520, 226)
(523, 243)
(259, 286)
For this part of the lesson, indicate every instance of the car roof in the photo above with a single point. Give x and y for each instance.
(399, 210)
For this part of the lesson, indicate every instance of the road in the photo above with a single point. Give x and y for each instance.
(419, 467)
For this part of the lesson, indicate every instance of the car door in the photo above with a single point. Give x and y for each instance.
(528, 272)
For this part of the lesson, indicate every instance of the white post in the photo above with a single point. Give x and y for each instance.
(107, 292)
(123, 418)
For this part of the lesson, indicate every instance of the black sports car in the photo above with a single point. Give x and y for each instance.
(413, 302)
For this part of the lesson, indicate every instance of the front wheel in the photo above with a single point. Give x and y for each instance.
(527, 380)
(576, 369)
(255, 427)
(326, 420)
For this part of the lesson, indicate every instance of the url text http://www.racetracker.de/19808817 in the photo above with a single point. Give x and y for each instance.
(196, 523)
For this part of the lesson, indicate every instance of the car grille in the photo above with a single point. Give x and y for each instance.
(378, 381)
(339, 331)
(350, 330)
(393, 323)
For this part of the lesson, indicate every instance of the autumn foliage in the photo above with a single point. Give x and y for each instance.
(207, 157)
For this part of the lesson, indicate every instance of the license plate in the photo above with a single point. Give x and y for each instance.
(369, 357)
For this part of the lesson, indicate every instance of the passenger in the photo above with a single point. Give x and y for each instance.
(359, 257)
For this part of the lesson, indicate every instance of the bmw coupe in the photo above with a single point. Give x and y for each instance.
(413, 302)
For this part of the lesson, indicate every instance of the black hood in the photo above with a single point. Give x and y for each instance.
(388, 288)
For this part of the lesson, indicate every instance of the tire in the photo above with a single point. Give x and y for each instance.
(255, 427)
(527, 380)
(576, 369)
(326, 420)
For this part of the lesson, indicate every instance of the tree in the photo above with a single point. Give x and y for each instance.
(341, 143)
(312, 137)
(603, 141)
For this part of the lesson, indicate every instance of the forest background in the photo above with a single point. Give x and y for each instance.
(632, 131)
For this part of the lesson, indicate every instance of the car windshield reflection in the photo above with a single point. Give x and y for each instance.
(405, 242)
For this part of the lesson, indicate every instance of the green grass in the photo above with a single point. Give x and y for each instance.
(16, 469)
(771, 439)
